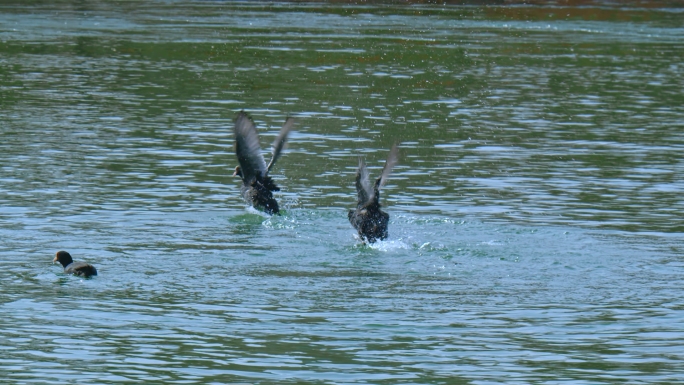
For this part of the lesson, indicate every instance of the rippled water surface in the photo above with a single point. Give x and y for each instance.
(536, 211)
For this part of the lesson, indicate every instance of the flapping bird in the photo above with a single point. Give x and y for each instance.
(257, 187)
(367, 218)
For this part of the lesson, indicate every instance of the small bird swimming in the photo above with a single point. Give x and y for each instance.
(257, 187)
(81, 269)
(367, 218)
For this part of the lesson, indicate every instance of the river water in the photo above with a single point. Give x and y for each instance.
(536, 229)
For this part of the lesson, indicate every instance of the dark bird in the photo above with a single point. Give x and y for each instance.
(367, 218)
(257, 187)
(82, 269)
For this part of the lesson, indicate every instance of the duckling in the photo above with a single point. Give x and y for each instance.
(367, 218)
(257, 187)
(82, 269)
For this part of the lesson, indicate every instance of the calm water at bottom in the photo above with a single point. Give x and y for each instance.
(231, 296)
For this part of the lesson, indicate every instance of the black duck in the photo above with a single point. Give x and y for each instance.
(367, 218)
(257, 187)
(82, 269)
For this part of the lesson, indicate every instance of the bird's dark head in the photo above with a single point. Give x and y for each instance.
(63, 257)
(238, 172)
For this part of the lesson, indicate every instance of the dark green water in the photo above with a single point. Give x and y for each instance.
(536, 231)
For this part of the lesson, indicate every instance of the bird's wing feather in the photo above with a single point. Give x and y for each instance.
(391, 161)
(363, 186)
(279, 143)
(247, 148)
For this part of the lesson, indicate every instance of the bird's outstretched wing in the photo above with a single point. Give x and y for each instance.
(247, 148)
(391, 161)
(279, 143)
(363, 186)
